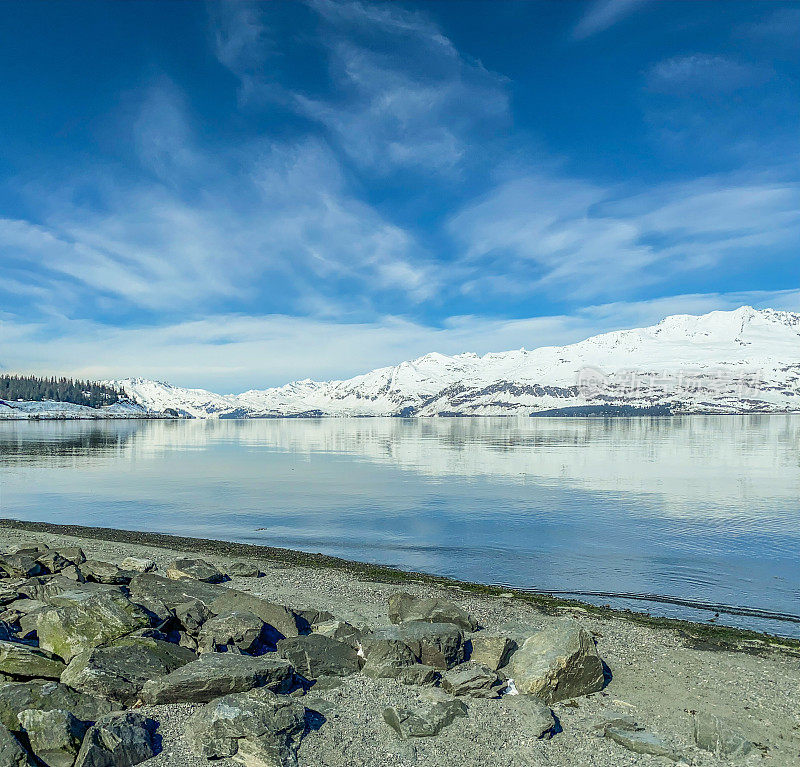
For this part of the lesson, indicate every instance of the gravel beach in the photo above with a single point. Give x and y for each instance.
(659, 677)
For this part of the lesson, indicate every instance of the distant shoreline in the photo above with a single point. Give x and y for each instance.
(542, 414)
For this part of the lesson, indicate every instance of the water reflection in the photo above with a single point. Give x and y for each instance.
(699, 507)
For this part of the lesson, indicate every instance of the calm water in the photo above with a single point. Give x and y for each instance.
(698, 508)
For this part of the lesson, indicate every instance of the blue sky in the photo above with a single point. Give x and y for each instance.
(234, 195)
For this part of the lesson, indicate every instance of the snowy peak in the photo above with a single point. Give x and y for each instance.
(740, 361)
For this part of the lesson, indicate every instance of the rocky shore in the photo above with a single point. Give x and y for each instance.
(172, 652)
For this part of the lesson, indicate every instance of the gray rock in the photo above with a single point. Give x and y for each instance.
(118, 740)
(257, 728)
(46, 696)
(641, 742)
(283, 620)
(557, 663)
(21, 661)
(719, 736)
(440, 645)
(472, 679)
(316, 655)
(216, 674)
(535, 714)
(243, 570)
(55, 736)
(415, 674)
(147, 589)
(237, 631)
(59, 590)
(198, 569)
(405, 607)
(31, 549)
(192, 615)
(119, 671)
(68, 631)
(425, 720)
(12, 754)
(105, 572)
(20, 565)
(80, 592)
(53, 562)
(341, 630)
(138, 564)
(72, 553)
(7, 594)
(151, 590)
(493, 652)
(73, 573)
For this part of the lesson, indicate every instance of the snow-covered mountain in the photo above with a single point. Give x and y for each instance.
(741, 361)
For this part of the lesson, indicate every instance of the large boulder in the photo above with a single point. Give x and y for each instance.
(719, 736)
(416, 674)
(316, 655)
(105, 572)
(216, 674)
(240, 631)
(257, 728)
(192, 615)
(138, 564)
(118, 740)
(8, 594)
(20, 565)
(69, 631)
(21, 661)
(405, 607)
(197, 569)
(156, 593)
(284, 622)
(53, 561)
(12, 754)
(243, 570)
(119, 671)
(440, 645)
(44, 587)
(46, 696)
(424, 720)
(341, 630)
(557, 663)
(472, 679)
(491, 651)
(639, 741)
(149, 589)
(55, 736)
(534, 714)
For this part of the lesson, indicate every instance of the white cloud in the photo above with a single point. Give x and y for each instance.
(569, 237)
(234, 352)
(603, 14)
(265, 220)
(705, 74)
(403, 96)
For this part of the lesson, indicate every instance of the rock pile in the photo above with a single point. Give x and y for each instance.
(83, 643)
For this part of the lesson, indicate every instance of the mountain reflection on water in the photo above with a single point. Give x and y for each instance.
(699, 507)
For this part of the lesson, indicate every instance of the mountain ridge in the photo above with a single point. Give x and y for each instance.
(741, 361)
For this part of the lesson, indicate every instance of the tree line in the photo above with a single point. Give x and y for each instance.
(33, 388)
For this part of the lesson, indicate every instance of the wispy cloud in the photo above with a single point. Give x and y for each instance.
(401, 95)
(567, 236)
(207, 228)
(705, 73)
(602, 15)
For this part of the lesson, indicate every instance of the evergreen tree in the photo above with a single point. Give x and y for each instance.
(35, 389)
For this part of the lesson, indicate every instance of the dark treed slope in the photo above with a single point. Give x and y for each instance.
(32, 388)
